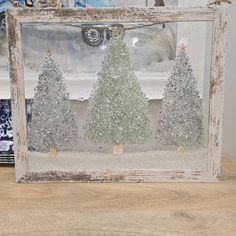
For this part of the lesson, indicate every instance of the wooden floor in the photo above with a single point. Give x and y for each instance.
(119, 209)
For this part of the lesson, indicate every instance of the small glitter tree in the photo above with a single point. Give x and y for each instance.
(180, 122)
(52, 124)
(118, 108)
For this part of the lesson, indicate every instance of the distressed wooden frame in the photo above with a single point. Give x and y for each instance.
(217, 15)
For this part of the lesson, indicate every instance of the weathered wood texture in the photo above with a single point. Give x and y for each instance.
(119, 209)
(142, 176)
(147, 14)
(217, 93)
(163, 14)
(17, 95)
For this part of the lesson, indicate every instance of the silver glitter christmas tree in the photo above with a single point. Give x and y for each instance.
(180, 122)
(52, 125)
(118, 108)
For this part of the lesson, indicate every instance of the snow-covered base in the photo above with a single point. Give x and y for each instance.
(88, 161)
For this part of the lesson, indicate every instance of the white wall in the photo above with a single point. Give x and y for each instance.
(229, 131)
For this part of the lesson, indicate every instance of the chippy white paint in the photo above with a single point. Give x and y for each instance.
(217, 15)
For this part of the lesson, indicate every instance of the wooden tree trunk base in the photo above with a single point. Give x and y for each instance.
(118, 149)
(181, 149)
(53, 152)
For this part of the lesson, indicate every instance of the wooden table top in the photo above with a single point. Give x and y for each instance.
(119, 209)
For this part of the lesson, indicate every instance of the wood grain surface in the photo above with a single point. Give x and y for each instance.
(119, 209)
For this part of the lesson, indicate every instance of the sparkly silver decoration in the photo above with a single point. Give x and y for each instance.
(118, 108)
(52, 124)
(181, 112)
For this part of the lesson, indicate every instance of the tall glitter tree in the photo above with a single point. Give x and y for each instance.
(52, 125)
(180, 122)
(118, 108)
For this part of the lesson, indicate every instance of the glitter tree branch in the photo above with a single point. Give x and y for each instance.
(180, 120)
(52, 125)
(118, 108)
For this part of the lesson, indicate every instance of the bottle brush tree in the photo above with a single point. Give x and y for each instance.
(53, 125)
(180, 122)
(118, 108)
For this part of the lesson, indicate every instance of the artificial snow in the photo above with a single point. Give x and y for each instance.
(89, 161)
